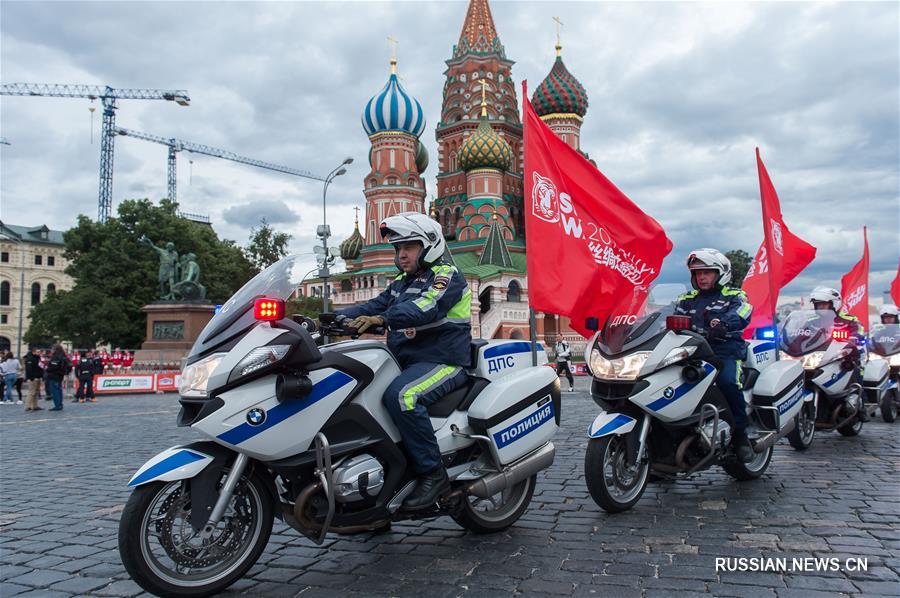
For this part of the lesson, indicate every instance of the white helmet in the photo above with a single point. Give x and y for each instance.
(710, 259)
(827, 294)
(889, 309)
(413, 226)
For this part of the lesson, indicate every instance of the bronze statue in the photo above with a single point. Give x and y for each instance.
(189, 287)
(168, 266)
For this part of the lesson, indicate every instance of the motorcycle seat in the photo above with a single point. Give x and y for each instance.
(461, 398)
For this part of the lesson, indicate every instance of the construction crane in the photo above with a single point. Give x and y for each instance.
(177, 145)
(109, 97)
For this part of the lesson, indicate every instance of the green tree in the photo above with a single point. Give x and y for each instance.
(740, 263)
(266, 245)
(115, 276)
(307, 306)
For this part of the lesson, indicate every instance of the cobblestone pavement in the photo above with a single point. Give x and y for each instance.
(62, 487)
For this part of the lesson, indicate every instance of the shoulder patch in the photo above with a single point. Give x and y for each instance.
(440, 282)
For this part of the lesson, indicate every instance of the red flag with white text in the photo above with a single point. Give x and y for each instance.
(855, 287)
(591, 250)
(779, 259)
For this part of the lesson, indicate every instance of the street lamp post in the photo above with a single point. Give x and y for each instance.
(21, 299)
(324, 231)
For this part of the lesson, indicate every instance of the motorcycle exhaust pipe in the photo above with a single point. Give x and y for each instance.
(522, 469)
(772, 437)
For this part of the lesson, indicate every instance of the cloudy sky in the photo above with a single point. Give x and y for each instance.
(680, 95)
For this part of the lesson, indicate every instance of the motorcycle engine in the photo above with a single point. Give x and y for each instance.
(724, 431)
(358, 478)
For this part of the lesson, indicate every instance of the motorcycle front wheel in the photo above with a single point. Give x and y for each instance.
(614, 484)
(889, 405)
(163, 554)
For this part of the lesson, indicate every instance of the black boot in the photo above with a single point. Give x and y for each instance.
(741, 445)
(429, 488)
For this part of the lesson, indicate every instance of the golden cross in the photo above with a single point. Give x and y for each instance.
(357, 216)
(558, 42)
(393, 42)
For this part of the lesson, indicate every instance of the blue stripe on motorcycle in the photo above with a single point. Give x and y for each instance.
(510, 349)
(179, 459)
(834, 381)
(663, 402)
(763, 347)
(614, 424)
(283, 411)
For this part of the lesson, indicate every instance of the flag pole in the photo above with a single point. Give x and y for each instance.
(532, 328)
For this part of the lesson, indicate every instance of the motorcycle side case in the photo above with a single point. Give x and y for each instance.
(519, 413)
(780, 385)
(499, 358)
(760, 354)
(875, 374)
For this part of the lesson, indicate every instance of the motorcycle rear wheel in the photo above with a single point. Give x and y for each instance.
(889, 405)
(803, 434)
(745, 472)
(494, 514)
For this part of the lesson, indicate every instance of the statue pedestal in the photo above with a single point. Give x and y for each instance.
(172, 328)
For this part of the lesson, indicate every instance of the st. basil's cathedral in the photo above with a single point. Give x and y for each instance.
(479, 195)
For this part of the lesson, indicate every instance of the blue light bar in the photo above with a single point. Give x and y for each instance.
(766, 333)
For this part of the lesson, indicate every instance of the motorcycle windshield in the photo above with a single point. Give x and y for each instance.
(885, 339)
(806, 330)
(278, 281)
(623, 332)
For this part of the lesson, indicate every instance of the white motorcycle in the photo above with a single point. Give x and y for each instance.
(661, 413)
(832, 398)
(298, 432)
(882, 371)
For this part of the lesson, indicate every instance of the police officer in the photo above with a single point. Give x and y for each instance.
(829, 299)
(721, 313)
(889, 314)
(563, 361)
(84, 372)
(427, 311)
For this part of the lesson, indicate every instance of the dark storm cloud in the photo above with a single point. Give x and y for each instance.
(680, 95)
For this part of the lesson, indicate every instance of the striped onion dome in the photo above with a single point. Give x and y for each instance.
(560, 93)
(352, 245)
(392, 109)
(485, 149)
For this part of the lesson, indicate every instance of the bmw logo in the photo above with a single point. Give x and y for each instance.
(256, 417)
(669, 392)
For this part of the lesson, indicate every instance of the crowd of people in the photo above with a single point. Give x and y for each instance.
(45, 372)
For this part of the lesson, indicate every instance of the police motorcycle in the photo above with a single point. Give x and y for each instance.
(661, 414)
(881, 376)
(297, 431)
(832, 400)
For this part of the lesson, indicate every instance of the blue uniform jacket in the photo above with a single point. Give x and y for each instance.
(730, 307)
(428, 315)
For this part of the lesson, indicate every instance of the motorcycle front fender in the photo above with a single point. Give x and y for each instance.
(607, 423)
(176, 463)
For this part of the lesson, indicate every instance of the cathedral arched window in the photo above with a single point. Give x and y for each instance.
(4, 293)
(514, 292)
(346, 285)
(36, 293)
(51, 289)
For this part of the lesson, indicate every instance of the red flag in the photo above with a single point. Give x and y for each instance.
(855, 287)
(590, 248)
(780, 258)
(895, 287)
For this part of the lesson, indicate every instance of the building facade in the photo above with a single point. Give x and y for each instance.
(478, 199)
(32, 267)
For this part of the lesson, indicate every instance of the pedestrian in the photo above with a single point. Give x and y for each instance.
(20, 377)
(117, 359)
(9, 368)
(564, 361)
(128, 360)
(45, 359)
(84, 374)
(57, 369)
(33, 375)
(103, 361)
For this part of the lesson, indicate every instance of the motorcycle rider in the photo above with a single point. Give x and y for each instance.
(427, 312)
(720, 313)
(889, 314)
(563, 361)
(829, 299)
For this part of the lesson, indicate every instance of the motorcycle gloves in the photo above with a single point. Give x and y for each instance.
(363, 323)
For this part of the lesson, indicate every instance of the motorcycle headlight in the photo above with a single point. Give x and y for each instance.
(195, 377)
(874, 356)
(895, 360)
(259, 358)
(811, 361)
(621, 368)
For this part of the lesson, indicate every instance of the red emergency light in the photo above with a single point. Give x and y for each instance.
(268, 310)
(840, 335)
(677, 323)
